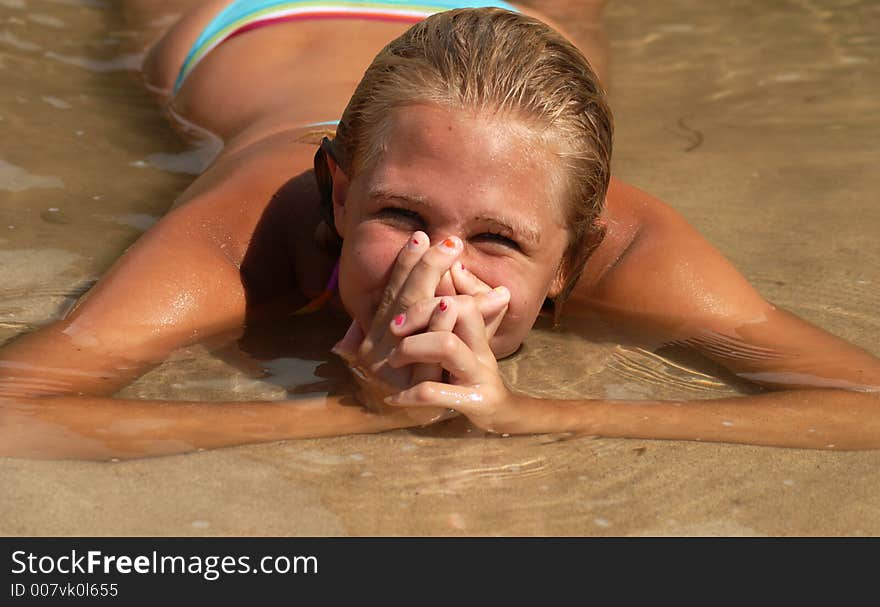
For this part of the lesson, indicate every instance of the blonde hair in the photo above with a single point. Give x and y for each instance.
(505, 63)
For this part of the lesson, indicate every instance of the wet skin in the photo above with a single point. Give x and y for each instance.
(197, 274)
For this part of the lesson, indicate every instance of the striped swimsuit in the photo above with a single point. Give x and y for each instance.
(242, 16)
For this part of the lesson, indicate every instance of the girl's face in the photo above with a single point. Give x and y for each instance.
(453, 173)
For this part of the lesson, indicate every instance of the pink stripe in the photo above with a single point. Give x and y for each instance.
(323, 15)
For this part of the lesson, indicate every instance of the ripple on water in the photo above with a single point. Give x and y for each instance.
(34, 280)
(9, 39)
(47, 20)
(139, 221)
(55, 102)
(122, 63)
(17, 179)
(88, 3)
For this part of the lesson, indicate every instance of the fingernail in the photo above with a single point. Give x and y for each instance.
(399, 319)
(499, 292)
(450, 244)
(415, 240)
(443, 305)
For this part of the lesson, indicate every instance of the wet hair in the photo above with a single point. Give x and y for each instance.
(505, 63)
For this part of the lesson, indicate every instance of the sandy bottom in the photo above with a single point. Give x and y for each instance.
(756, 120)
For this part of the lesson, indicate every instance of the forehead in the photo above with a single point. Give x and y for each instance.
(439, 155)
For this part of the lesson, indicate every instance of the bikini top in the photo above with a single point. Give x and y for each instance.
(321, 300)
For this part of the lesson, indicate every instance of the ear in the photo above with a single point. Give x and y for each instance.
(558, 282)
(340, 194)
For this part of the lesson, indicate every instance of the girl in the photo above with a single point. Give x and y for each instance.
(466, 184)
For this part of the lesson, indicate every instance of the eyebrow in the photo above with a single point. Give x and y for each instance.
(521, 229)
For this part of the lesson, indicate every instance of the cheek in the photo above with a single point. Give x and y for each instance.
(368, 255)
(528, 287)
(527, 291)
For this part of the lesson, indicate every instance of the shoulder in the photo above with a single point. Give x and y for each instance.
(241, 188)
(656, 264)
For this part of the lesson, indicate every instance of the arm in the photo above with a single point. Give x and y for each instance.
(170, 288)
(96, 428)
(178, 284)
(818, 419)
(666, 282)
(806, 418)
(811, 419)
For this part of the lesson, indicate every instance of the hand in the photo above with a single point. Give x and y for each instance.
(414, 278)
(457, 340)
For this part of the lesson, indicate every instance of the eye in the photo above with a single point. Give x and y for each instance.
(398, 215)
(497, 238)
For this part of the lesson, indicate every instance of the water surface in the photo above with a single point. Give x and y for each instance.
(759, 121)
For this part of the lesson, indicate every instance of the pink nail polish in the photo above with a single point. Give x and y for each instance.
(443, 305)
(399, 319)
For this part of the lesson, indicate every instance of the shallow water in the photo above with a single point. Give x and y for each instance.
(759, 121)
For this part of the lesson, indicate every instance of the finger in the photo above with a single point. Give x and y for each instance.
(347, 347)
(425, 276)
(442, 319)
(466, 282)
(445, 349)
(434, 394)
(470, 326)
(418, 317)
(407, 258)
